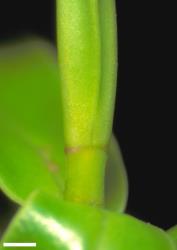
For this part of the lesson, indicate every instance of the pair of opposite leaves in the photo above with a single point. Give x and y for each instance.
(32, 165)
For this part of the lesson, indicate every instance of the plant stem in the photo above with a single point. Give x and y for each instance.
(87, 55)
(85, 179)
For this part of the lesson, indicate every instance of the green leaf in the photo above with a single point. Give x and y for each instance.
(116, 181)
(173, 233)
(60, 225)
(31, 147)
(31, 138)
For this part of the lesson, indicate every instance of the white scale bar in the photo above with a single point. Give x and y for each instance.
(13, 244)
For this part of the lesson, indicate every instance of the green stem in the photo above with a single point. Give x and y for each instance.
(85, 176)
(87, 55)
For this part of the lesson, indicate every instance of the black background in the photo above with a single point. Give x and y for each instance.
(146, 101)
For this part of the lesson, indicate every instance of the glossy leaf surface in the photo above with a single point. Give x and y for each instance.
(60, 225)
(31, 141)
